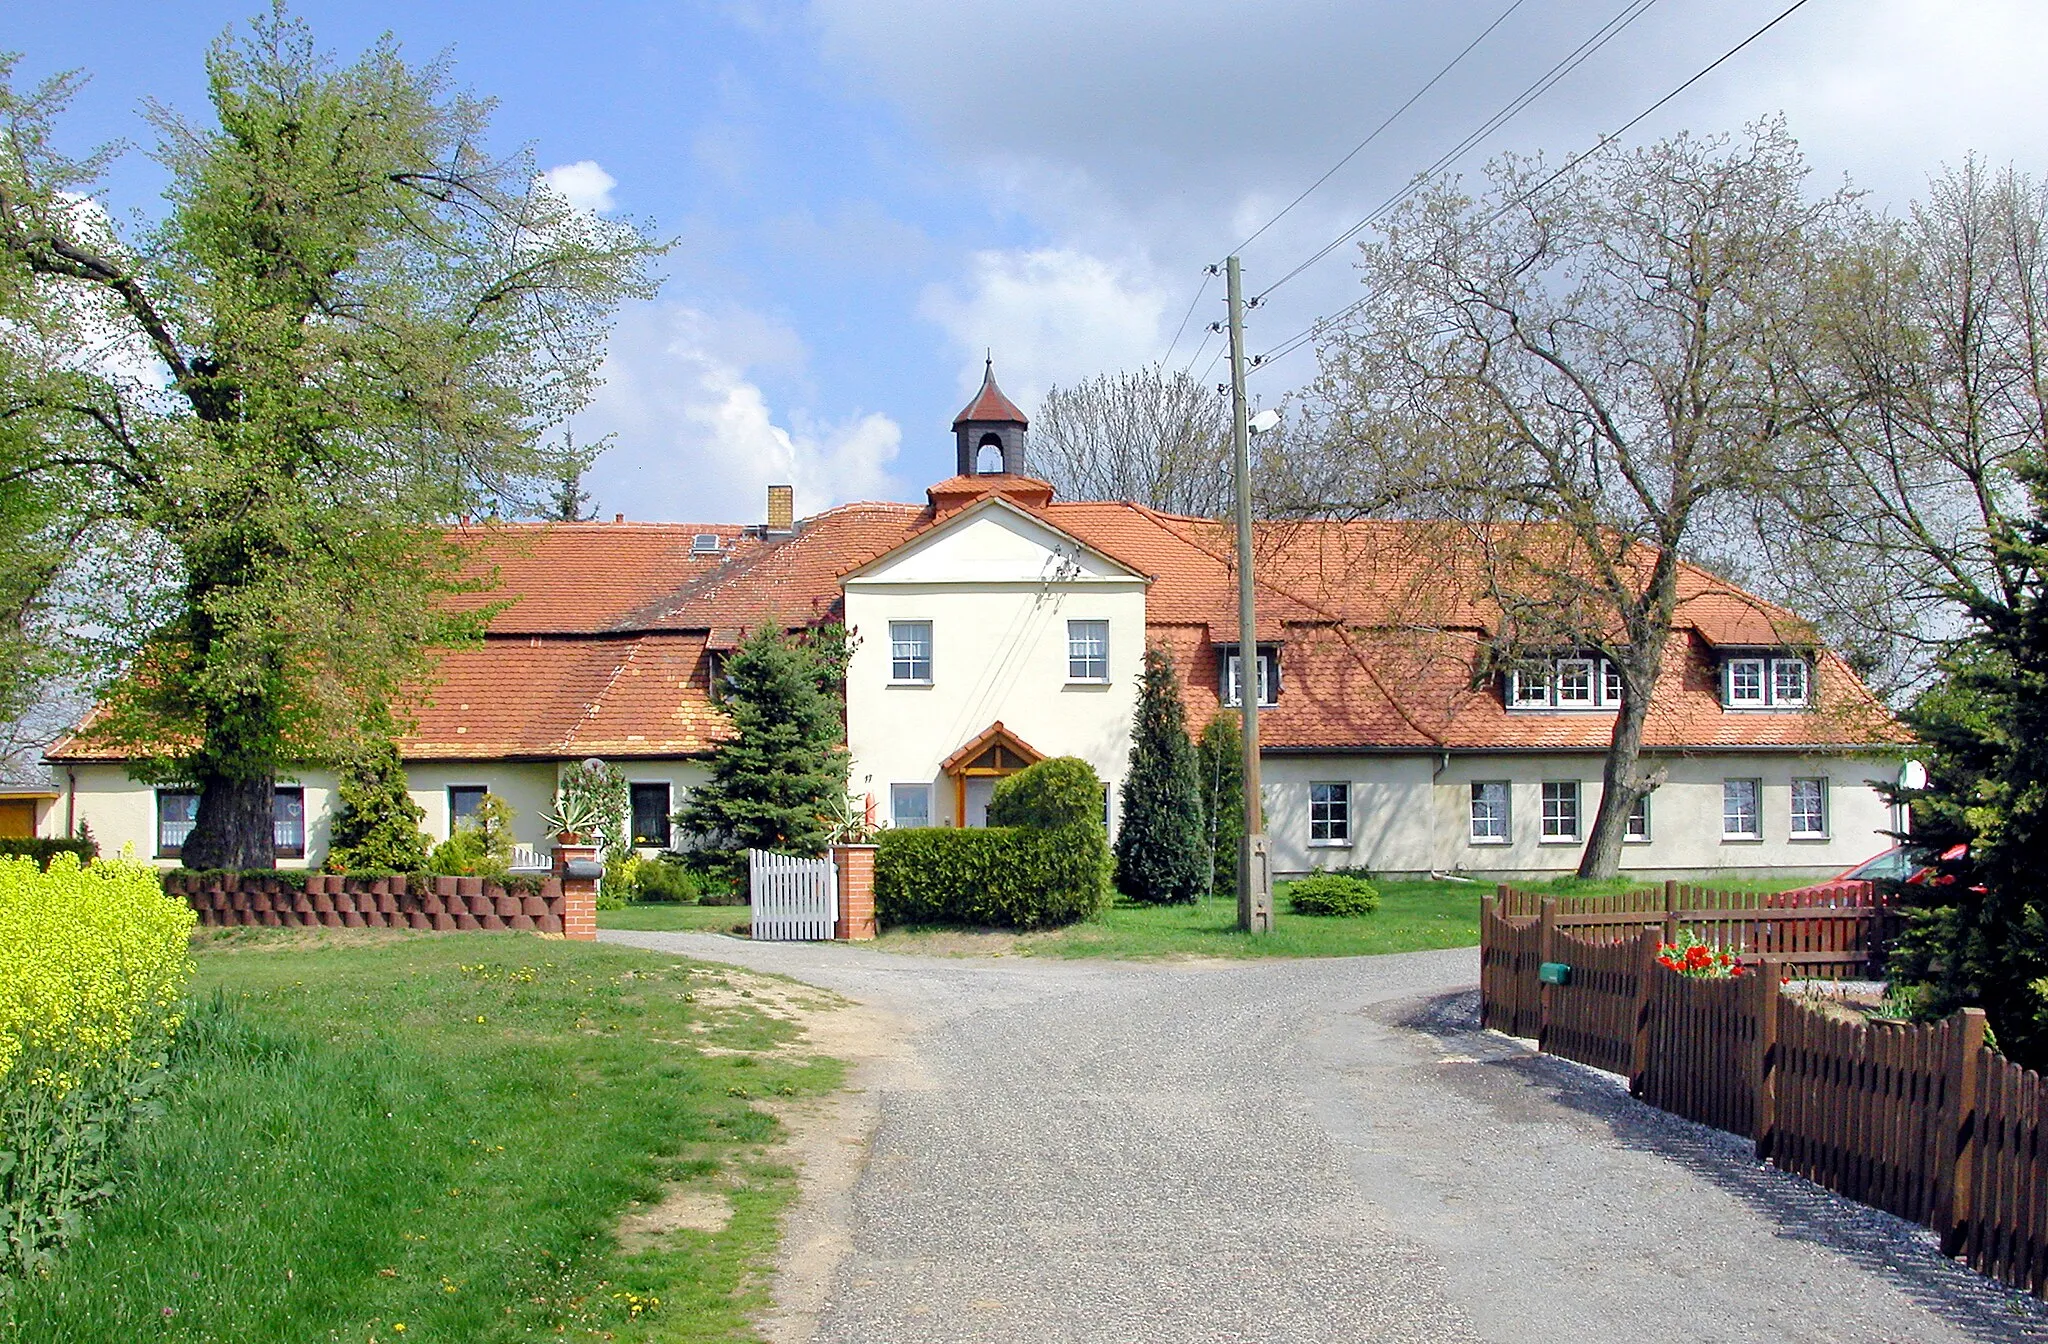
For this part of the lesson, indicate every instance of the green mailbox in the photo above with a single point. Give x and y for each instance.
(1554, 973)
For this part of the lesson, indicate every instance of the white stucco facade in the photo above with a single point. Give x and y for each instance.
(1412, 813)
(997, 590)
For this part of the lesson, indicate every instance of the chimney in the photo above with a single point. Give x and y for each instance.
(781, 508)
(618, 517)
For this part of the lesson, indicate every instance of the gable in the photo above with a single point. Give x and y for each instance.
(994, 543)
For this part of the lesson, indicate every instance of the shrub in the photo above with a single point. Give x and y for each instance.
(376, 822)
(1015, 877)
(92, 963)
(464, 854)
(42, 851)
(1160, 857)
(1061, 791)
(1332, 894)
(664, 880)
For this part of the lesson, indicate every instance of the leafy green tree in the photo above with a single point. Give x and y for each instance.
(1160, 855)
(1978, 934)
(1219, 761)
(377, 825)
(350, 327)
(777, 780)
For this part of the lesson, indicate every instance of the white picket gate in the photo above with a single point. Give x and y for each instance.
(794, 900)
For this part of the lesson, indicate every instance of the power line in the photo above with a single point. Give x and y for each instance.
(1208, 274)
(1606, 33)
(1392, 117)
(1304, 336)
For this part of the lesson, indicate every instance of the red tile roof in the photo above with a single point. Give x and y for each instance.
(990, 403)
(600, 647)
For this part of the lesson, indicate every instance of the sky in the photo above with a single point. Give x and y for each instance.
(867, 196)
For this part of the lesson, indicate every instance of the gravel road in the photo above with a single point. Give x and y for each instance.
(1310, 1151)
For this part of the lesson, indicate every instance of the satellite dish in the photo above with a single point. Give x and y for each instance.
(1913, 775)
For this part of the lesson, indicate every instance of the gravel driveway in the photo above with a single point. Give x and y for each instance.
(1318, 1150)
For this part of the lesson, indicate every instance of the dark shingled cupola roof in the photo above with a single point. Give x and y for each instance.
(989, 404)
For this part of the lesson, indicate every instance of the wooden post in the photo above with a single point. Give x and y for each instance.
(1954, 1206)
(1646, 971)
(1765, 1003)
(1670, 909)
(1546, 950)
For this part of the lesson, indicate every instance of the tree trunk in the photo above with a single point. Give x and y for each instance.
(235, 827)
(1620, 782)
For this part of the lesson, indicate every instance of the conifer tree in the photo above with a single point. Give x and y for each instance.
(377, 825)
(780, 776)
(1220, 763)
(1978, 934)
(1159, 851)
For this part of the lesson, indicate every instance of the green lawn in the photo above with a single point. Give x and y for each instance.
(1413, 917)
(432, 1138)
(668, 917)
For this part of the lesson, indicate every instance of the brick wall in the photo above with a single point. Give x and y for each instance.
(856, 864)
(447, 904)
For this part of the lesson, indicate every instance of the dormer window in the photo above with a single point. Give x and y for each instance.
(1269, 677)
(1757, 681)
(1573, 681)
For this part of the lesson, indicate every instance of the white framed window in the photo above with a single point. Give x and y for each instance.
(1789, 682)
(176, 811)
(650, 803)
(288, 822)
(1560, 809)
(1087, 650)
(1636, 827)
(1529, 688)
(910, 806)
(1489, 812)
(1575, 683)
(910, 652)
(1740, 816)
(1269, 678)
(1610, 684)
(465, 803)
(1809, 809)
(1329, 814)
(1746, 682)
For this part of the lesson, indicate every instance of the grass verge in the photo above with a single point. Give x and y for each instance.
(669, 917)
(434, 1138)
(1413, 917)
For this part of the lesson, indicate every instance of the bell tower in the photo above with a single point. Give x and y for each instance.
(991, 429)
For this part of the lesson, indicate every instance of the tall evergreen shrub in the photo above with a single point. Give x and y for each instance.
(377, 824)
(1219, 762)
(778, 779)
(1978, 935)
(1160, 856)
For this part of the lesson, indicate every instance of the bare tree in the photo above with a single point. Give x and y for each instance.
(1577, 374)
(1927, 397)
(1151, 436)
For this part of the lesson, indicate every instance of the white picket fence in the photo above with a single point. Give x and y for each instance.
(794, 900)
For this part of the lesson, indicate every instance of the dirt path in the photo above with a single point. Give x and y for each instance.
(1291, 1151)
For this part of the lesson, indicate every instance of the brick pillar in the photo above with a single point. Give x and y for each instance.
(579, 894)
(856, 865)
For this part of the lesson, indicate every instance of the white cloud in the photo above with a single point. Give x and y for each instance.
(583, 184)
(1049, 316)
(697, 437)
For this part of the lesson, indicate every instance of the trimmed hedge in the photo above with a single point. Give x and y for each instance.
(1012, 877)
(1059, 791)
(42, 851)
(1332, 894)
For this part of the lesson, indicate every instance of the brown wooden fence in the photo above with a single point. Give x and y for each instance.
(1924, 1121)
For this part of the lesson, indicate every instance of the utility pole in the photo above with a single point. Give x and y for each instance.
(1254, 872)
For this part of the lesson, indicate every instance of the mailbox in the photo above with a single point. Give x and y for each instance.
(1554, 973)
(585, 868)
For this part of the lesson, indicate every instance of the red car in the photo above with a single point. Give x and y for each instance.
(1893, 865)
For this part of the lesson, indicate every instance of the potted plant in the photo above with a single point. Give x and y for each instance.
(574, 818)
